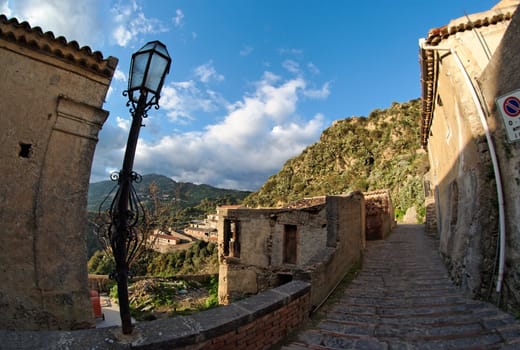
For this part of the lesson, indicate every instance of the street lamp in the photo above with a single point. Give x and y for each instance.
(148, 69)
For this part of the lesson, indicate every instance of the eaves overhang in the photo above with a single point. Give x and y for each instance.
(35, 39)
(428, 54)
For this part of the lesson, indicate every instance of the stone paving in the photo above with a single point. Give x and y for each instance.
(404, 299)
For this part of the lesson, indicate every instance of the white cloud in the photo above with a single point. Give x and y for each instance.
(109, 92)
(207, 72)
(123, 124)
(178, 20)
(119, 75)
(259, 133)
(109, 151)
(291, 66)
(269, 78)
(4, 8)
(280, 101)
(130, 22)
(122, 35)
(322, 93)
(182, 99)
(249, 142)
(86, 21)
(75, 20)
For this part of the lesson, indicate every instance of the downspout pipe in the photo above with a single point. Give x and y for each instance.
(494, 161)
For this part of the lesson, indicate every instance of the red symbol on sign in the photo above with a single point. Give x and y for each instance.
(511, 106)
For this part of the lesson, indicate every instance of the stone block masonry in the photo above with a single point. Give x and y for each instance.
(51, 95)
(316, 239)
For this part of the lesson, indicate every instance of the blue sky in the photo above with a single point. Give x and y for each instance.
(252, 82)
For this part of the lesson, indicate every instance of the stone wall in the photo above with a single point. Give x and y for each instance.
(316, 239)
(51, 97)
(379, 214)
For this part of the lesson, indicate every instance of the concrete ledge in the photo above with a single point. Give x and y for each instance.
(178, 332)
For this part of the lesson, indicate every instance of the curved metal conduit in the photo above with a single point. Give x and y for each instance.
(494, 161)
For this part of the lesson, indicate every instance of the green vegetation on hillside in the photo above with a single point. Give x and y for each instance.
(201, 257)
(382, 151)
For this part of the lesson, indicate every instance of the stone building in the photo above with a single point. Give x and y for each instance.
(379, 214)
(50, 102)
(467, 66)
(205, 230)
(169, 241)
(317, 239)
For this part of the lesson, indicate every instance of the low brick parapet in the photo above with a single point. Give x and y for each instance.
(257, 322)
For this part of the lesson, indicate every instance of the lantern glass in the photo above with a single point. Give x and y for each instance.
(155, 76)
(138, 71)
(147, 72)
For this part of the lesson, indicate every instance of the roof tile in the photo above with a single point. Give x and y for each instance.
(45, 42)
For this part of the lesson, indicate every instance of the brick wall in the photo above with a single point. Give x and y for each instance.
(263, 332)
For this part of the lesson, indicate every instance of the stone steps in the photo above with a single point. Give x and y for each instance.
(404, 299)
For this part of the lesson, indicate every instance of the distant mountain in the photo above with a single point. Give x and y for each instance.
(183, 194)
(382, 151)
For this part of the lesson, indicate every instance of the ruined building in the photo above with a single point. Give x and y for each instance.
(317, 240)
(470, 127)
(379, 213)
(50, 97)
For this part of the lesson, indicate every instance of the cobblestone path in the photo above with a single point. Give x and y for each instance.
(404, 299)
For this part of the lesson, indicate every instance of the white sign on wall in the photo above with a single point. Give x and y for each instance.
(509, 107)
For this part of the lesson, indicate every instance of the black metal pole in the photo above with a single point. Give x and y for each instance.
(122, 216)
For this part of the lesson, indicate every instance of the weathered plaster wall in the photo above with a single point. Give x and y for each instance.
(456, 135)
(461, 176)
(51, 116)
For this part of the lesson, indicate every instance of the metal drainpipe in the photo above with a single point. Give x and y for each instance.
(494, 161)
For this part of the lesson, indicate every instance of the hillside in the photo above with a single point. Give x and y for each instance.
(194, 202)
(358, 153)
(182, 194)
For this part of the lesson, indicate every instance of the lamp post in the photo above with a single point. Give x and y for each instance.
(148, 69)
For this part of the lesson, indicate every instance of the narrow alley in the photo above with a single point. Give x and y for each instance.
(404, 299)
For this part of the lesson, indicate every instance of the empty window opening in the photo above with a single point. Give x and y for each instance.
(290, 244)
(284, 278)
(227, 236)
(232, 238)
(25, 150)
